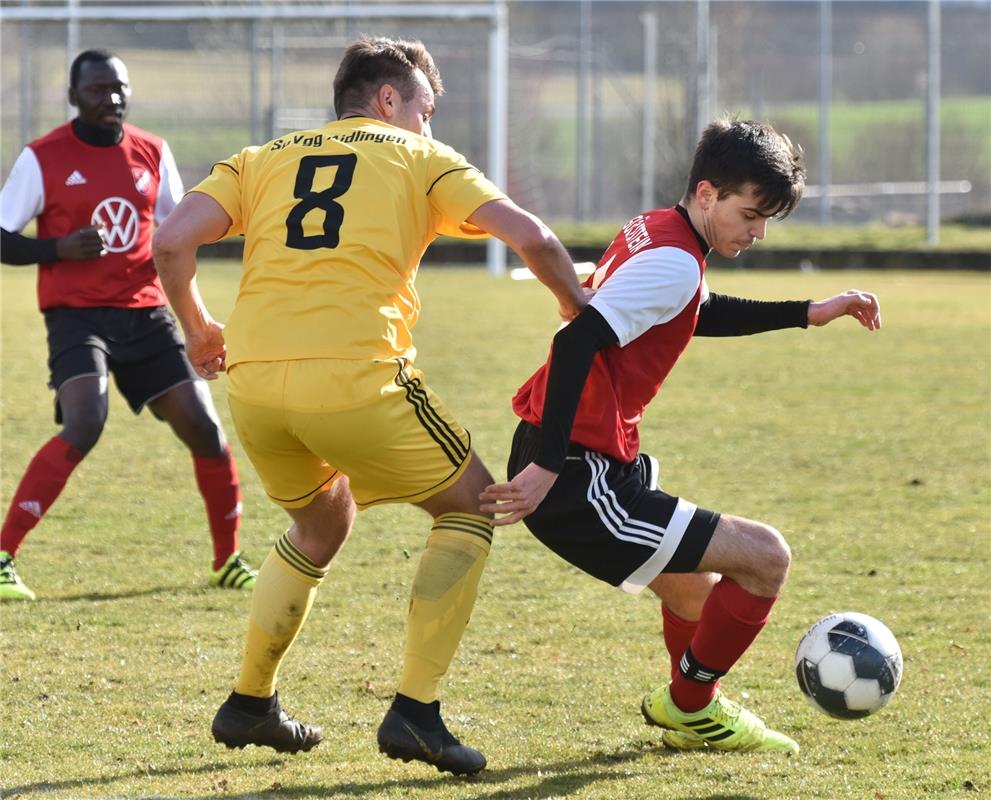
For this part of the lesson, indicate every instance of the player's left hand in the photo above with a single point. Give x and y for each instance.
(862, 306)
(519, 497)
(207, 351)
(82, 244)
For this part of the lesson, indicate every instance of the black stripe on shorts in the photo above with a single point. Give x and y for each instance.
(430, 419)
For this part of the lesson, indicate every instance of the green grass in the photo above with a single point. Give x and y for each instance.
(851, 122)
(876, 140)
(870, 451)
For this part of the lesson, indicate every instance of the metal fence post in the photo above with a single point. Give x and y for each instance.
(933, 79)
(825, 103)
(498, 122)
(649, 139)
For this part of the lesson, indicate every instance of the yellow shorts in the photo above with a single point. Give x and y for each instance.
(305, 423)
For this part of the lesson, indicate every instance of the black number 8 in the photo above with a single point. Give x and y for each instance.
(323, 200)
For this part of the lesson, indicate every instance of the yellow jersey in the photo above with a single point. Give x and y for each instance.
(335, 221)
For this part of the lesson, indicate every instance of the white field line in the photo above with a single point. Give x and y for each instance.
(523, 274)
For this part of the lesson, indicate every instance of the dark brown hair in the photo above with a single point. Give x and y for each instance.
(373, 61)
(733, 153)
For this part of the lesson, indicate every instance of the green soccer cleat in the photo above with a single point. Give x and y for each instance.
(682, 740)
(721, 725)
(236, 573)
(11, 585)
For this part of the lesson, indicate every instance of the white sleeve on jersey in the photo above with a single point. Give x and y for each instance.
(169, 185)
(649, 289)
(23, 195)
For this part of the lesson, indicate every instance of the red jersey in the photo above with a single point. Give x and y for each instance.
(649, 284)
(68, 184)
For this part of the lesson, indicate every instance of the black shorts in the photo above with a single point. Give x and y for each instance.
(610, 520)
(140, 346)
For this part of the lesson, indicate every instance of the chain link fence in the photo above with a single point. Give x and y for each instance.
(605, 98)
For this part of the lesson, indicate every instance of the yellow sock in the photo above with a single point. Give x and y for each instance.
(443, 595)
(283, 594)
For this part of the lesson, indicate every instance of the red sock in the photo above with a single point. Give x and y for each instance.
(678, 633)
(218, 483)
(731, 619)
(42, 483)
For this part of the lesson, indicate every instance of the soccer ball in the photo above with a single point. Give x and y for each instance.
(848, 665)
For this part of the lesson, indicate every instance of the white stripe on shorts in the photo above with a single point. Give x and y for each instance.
(613, 516)
(617, 521)
(655, 470)
(654, 565)
(601, 497)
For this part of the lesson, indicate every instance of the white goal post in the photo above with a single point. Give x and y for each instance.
(72, 12)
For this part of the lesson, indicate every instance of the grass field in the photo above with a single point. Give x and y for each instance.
(869, 451)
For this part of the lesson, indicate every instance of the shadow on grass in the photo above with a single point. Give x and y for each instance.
(168, 591)
(554, 780)
(47, 787)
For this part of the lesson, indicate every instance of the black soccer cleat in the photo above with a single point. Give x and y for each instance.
(276, 729)
(398, 737)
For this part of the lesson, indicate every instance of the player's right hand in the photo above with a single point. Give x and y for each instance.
(81, 245)
(207, 351)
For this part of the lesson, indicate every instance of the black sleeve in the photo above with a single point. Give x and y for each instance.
(722, 315)
(575, 346)
(19, 250)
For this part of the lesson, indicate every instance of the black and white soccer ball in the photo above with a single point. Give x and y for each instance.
(848, 665)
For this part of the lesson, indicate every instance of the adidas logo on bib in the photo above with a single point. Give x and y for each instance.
(75, 179)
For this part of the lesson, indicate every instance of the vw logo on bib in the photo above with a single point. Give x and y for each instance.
(120, 222)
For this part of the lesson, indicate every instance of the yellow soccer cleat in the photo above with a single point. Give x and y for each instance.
(11, 585)
(682, 740)
(721, 725)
